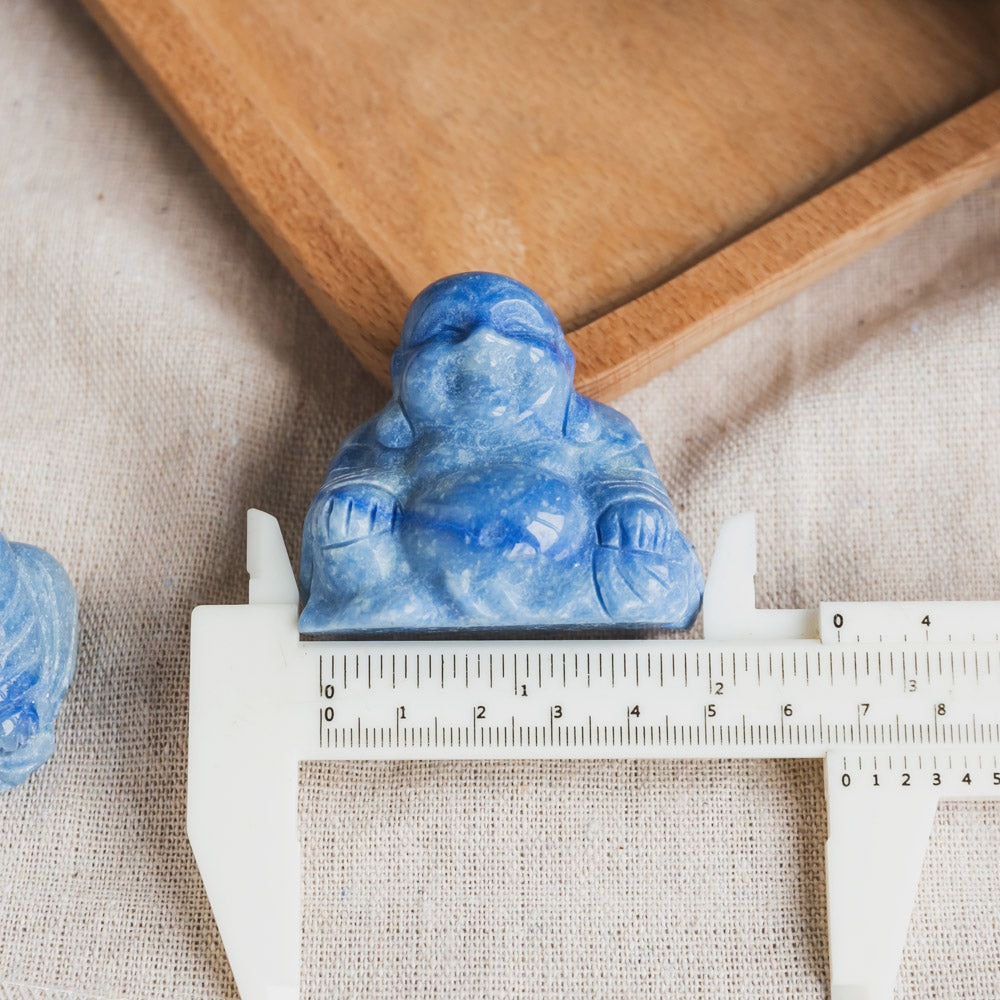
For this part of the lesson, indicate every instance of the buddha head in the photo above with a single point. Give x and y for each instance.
(482, 351)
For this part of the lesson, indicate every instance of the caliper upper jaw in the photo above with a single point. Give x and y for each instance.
(729, 608)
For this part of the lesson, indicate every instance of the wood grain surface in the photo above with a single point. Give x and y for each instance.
(660, 172)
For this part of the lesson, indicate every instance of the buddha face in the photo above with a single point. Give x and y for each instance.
(486, 352)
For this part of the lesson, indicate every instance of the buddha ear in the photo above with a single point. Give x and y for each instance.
(579, 423)
(393, 429)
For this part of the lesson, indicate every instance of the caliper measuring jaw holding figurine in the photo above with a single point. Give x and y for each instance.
(487, 497)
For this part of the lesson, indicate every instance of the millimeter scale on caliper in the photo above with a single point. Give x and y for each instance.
(902, 701)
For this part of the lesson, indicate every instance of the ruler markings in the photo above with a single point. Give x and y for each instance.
(954, 723)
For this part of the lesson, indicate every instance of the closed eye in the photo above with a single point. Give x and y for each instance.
(536, 335)
(447, 332)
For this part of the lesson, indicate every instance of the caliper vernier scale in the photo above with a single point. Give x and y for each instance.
(902, 701)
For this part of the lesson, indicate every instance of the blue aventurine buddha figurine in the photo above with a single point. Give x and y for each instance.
(37, 654)
(488, 493)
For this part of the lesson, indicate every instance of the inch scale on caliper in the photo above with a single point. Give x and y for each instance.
(902, 701)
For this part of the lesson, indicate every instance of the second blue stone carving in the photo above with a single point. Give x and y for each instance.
(38, 619)
(489, 493)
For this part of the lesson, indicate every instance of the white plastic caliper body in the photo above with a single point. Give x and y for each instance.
(902, 701)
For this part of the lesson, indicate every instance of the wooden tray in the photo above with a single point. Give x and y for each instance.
(659, 171)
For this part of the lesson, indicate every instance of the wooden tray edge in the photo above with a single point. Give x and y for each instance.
(345, 279)
(628, 346)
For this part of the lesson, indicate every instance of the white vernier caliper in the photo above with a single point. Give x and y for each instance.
(902, 701)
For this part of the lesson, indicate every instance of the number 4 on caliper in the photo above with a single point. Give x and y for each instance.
(901, 700)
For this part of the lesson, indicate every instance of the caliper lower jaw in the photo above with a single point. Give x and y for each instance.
(875, 848)
(244, 744)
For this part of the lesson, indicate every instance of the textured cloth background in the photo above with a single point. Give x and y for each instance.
(161, 373)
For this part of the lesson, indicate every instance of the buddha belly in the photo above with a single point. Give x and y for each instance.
(493, 539)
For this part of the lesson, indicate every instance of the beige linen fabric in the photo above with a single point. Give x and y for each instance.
(161, 373)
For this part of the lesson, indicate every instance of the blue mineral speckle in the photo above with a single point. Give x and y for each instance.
(38, 618)
(488, 493)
